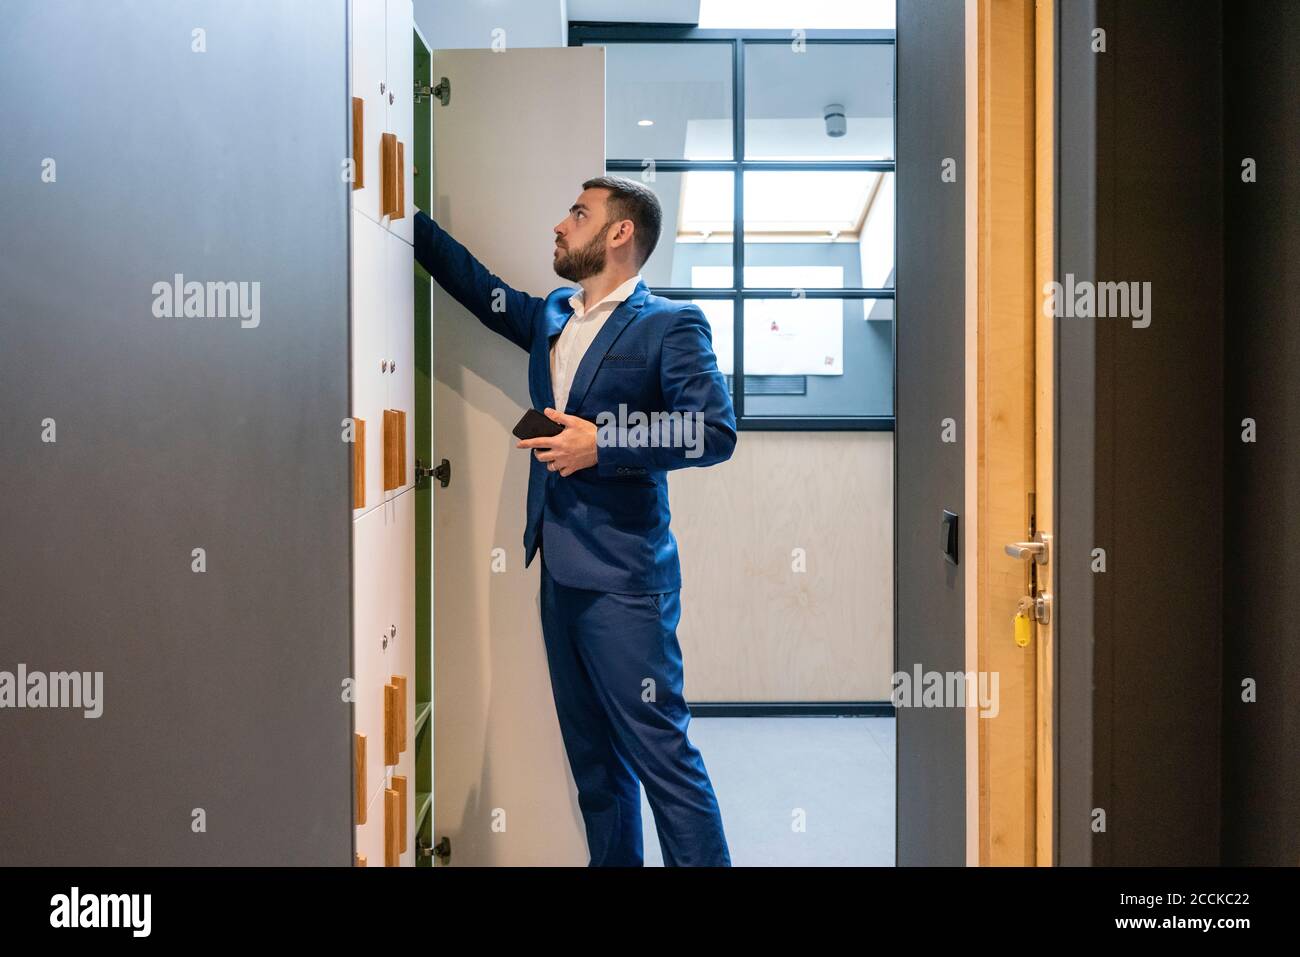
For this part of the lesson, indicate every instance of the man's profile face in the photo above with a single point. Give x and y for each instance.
(580, 239)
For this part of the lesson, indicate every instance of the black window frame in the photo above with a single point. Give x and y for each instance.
(582, 33)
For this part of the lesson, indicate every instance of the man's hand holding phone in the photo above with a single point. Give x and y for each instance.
(567, 450)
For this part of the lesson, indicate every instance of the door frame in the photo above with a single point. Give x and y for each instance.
(1011, 410)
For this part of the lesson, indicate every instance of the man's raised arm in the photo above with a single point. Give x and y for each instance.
(504, 310)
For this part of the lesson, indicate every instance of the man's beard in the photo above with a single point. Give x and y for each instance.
(576, 265)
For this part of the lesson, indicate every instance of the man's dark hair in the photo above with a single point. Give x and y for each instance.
(629, 199)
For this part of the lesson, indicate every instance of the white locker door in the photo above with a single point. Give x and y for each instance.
(399, 298)
(370, 351)
(401, 102)
(371, 618)
(505, 107)
(370, 836)
(370, 83)
(401, 591)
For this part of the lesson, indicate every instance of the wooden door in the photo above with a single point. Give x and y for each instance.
(1010, 403)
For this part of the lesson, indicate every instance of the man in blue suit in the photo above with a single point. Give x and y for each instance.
(633, 380)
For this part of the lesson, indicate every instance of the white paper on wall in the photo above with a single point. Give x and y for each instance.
(794, 337)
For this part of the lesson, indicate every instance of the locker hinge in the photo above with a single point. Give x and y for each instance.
(442, 91)
(442, 850)
(442, 473)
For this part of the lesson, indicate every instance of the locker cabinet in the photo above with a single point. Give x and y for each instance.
(383, 396)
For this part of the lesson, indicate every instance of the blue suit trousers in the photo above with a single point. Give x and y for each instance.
(616, 674)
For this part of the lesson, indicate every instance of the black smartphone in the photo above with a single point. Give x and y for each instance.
(535, 425)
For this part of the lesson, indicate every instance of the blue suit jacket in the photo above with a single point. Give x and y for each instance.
(605, 528)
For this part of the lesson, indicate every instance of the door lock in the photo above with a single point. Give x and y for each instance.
(1039, 608)
(1029, 610)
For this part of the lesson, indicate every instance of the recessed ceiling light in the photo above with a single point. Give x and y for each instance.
(645, 122)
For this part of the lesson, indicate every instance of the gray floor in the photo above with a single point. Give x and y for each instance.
(838, 771)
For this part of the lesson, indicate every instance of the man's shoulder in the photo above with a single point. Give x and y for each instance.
(670, 310)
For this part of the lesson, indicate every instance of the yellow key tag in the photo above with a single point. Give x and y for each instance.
(1024, 628)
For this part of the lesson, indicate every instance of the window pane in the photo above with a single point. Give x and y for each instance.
(807, 358)
(668, 101)
(817, 228)
(695, 240)
(797, 100)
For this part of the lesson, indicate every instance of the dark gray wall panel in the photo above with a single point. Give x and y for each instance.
(1076, 239)
(1261, 740)
(1159, 433)
(222, 690)
(930, 329)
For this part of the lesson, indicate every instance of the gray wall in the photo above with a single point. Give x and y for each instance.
(221, 689)
(1159, 450)
(1261, 741)
(1199, 527)
(929, 595)
(1076, 237)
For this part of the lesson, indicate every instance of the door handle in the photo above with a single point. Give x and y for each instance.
(1037, 549)
(358, 143)
(388, 175)
(1025, 549)
(400, 211)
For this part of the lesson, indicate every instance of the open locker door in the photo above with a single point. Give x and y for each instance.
(519, 133)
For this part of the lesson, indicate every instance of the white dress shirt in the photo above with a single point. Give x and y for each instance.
(578, 332)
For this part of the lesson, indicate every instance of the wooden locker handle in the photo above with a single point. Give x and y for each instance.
(358, 142)
(391, 715)
(360, 757)
(394, 449)
(399, 785)
(400, 206)
(392, 823)
(359, 463)
(401, 448)
(399, 681)
(387, 174)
